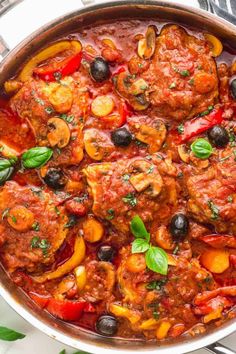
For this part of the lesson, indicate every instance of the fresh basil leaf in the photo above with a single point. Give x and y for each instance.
(156, 260)
(139, 246)
(6, 169)
(10, 335)
(138, 228)
(36, 157)
(63, 351)
(201, 148)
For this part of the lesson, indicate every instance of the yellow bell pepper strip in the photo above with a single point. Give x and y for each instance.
(73, 262)
(49, 52)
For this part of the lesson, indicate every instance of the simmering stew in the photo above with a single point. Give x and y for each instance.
(118, 180)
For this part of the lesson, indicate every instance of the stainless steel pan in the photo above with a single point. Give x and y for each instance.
(159, 10)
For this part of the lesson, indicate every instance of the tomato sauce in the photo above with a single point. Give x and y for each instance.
(117, 173)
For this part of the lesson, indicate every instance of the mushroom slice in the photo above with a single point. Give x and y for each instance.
(59, 132)
(138, 87)
(139, 102)
(96, 143)
(145, 176)
(147, 45)
(153, 136)
(183, 153)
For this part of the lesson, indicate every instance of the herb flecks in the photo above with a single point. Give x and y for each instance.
(43, 244)
(36, 226)
(172, 85)
(214, 210)
(126, 177)
(180, 129)
(66, 118)
(111, 214)
(130, 199)
(185, 73)
(156, 284)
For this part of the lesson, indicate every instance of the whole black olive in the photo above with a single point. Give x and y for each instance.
(121, 137)
(218, 136)
(106, 325)
(179, 227)
(106, 253)
(55, 178)
(99, 69)
(233, 88)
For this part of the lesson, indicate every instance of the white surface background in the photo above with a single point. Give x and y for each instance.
(14, 27)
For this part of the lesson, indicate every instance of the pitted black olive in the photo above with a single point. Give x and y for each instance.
(179, 226)
(55, 178)
(107, 325)
(233, 88)
(99, 69)
(121, 137)
(218, 136)
(106, 253)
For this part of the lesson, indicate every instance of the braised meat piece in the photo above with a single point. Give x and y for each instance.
(182, 76)
(32, 228)
(124, 187)
(211, 193)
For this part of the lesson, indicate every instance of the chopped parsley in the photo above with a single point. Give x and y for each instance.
(82, 198)
(180, 175)
(36, 226)
(214, 210)
(111, 214)
(140, 65)
(14, 219)
(49, 110)
(67, 118)
(39, 101)
(126, 177)
(208, 279)
(232, 138)
(57, 211)
(207, 111)
(140, 143)
(71, 222)
(184, 73)
(173, 85)
(180, 129)
(150, 170)
(176, 250)
(130, 199)
(191, 82)
(43, 244)
(156, 284)
(37, 191)
(230, 199)
(156, 315)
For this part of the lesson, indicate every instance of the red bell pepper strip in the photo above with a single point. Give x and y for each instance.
(41, 300)
(212, 305)
(207, 295)
(197, 126)
(66, 310)
(54, 72)
(219, 241)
